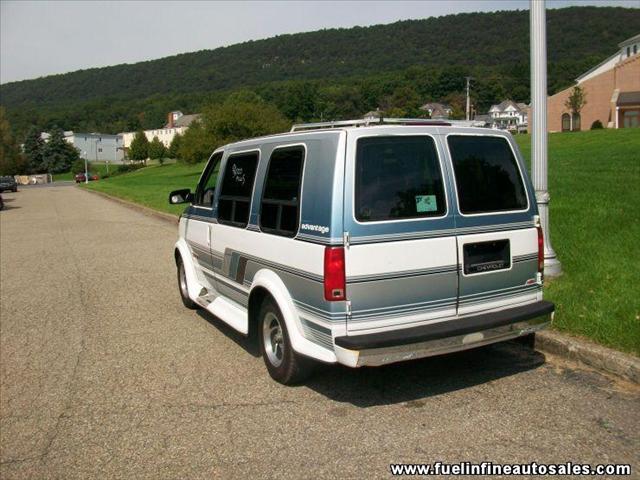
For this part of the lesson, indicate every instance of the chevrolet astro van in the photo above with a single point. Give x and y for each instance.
(365, 243)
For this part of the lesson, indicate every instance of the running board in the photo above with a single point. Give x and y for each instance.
(229, 312)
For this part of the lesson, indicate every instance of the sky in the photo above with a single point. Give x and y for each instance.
(39, 38)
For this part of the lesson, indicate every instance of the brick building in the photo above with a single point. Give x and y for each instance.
(612, 91)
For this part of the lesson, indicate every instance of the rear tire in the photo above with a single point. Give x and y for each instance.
(528, 340)
(182, 287)
(283, 363)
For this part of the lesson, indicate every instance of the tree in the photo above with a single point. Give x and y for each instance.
(576, 100)
(157, 150)
(11, 159)
(33, 146)
(78, 166)
(139, 148)
(241, 116)
(57, 154)
(195, 145)
(172, 152)
(237, 119)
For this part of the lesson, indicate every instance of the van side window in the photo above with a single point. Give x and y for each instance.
(237, 186)
(281, 197)
(487, 175)
(398, 177)
(207, 186)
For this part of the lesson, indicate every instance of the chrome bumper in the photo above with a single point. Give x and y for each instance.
(400, 353)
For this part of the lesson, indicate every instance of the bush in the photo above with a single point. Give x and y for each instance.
(129, 167)
(78, 166)
(597, 125)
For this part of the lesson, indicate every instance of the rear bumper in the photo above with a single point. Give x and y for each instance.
(443, 337)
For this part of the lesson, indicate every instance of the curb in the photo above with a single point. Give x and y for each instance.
(572, 348)
(601, 358)
(166, 217)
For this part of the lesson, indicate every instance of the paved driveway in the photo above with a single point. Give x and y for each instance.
(105, 374)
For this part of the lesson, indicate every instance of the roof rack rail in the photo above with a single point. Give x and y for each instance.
(383, 121)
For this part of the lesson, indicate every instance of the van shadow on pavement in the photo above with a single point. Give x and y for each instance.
(407, 381)
(415, 380)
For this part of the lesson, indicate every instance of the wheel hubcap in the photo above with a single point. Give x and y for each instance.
(273, 339)
(183, 281)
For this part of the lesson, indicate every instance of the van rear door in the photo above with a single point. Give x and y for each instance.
(401, 259)
(497, 239)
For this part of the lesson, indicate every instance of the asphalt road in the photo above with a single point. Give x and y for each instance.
(104, 374)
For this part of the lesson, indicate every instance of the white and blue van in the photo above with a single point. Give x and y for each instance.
(365, 244)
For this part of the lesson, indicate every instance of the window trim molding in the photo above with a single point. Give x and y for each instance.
(455, 180)
(411, 219)
(264, 184)
(253, 188)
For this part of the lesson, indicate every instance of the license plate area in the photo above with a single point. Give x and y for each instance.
(482, 257)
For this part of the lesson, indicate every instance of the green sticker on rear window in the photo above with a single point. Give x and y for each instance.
(426, 203)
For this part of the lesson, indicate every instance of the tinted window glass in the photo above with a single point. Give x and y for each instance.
(236, 190)
(487, 176)
(398, 177)
(207, 186)
(281, 198)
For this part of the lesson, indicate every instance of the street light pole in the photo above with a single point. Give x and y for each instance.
(538, 28)
(86, 170)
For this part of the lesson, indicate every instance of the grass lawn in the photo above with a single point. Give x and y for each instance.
(594, 180)
(150, 186)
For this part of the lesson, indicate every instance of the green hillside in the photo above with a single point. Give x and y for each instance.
(418, 60)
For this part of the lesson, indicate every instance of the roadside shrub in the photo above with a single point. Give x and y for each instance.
(78, 166)
(129, 167)
(597, 125)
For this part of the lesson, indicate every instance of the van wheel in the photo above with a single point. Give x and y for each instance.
(182, 286)
(283, 364)
(528, 340)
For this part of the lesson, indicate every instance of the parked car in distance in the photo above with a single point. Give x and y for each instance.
(365, 244)
(8, 184)
(80, 177)
(1, 203)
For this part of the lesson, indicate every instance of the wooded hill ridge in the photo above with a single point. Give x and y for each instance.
(378, 61)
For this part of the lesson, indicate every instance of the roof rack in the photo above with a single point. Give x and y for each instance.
(384, 121)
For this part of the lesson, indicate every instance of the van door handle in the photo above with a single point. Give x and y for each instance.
(209, 235)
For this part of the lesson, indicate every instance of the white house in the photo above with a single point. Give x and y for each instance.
(177, 122)
(100, 147)
(437, 110)
(509, 115)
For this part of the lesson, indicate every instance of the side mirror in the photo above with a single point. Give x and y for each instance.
(180, 196)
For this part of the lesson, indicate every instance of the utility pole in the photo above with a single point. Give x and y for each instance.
(468, 109)
(538, 32)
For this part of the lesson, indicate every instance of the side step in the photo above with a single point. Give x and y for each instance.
(229, 312)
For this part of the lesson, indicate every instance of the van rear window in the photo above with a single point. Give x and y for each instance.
(487, 175)
(398, 177)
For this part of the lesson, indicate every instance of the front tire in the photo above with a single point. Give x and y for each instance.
(283, 363)
(182, 286)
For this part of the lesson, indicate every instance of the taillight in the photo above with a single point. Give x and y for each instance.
(334, 278)
(540, 250)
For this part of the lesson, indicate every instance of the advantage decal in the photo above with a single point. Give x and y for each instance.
(314, 228)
